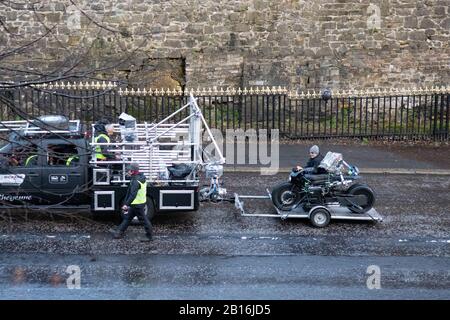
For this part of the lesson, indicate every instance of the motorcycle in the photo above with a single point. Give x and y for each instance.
(215, 191)
(338, 186)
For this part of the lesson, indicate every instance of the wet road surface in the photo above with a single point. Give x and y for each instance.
(224, 277)
(216, 254)
(381, 154)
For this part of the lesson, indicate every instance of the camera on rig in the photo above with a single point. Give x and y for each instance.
(127, 127)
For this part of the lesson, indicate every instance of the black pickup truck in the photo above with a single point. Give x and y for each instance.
(51, 170)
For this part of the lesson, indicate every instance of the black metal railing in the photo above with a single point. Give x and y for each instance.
(404, 114)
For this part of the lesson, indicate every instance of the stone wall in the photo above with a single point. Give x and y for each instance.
(190, 43)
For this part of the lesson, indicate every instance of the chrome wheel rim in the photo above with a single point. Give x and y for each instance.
(320, 218)
(287, 197)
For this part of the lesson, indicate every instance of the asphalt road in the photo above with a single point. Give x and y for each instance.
(381, 154)
(224, 277)
(216, 254)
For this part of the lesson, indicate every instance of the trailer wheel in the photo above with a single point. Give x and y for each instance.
(320, 217)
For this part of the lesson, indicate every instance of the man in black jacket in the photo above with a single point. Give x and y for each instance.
(135, 203)
(312, 166)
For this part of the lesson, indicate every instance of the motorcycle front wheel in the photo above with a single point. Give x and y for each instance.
(284, 197)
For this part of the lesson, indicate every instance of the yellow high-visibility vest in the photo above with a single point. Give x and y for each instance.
(141, 196)
(98, 149)
(69, 161)
(30, 158)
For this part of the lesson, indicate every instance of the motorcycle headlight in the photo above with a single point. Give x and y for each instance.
(290, 178)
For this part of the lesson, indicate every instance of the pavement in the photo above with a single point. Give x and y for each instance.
(389, 157)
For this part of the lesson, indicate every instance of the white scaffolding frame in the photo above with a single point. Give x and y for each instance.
(160, 145)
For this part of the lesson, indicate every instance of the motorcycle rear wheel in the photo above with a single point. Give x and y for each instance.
(362, 190)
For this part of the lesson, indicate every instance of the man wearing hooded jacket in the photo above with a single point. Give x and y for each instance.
(312, 166)
(135, 202)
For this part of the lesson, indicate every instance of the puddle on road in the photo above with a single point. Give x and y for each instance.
(85, 275)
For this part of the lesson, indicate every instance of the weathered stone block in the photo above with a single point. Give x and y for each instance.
(324, 52)
(417, 35)
(260, 4)
(329, 25)
(10, 16)
(241, 27)
(401, 35)
(234, 17)
(360, 25)
(440, 11)
(97, 7)
(195, 29)
(175, 28)
(422, 12)
(53, 17)
(59, 6)
(173, 44)
(156, 29)
(445, 24)
(346, 37)
(73, 40)
(208, 30)
(411, 22)
(430, 32)
(163, 20)
(283, 29)
(220, 29)
(427, 23)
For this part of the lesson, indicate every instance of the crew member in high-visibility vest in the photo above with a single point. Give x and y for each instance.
(135, 203)
(103, 134)
(31, 160)
(72, 160)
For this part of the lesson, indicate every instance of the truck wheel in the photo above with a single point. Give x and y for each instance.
(149, 209)
(117, 217)
(100, 217)
(320, 217)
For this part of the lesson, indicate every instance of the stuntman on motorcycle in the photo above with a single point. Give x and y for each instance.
(312, 166)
